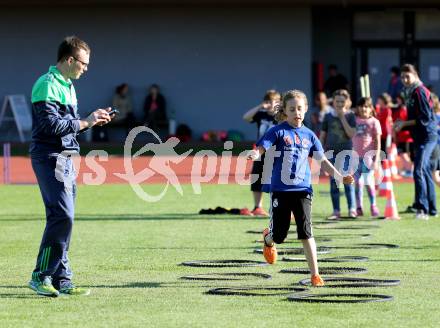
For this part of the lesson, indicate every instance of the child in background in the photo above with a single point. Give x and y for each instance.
(366, 143)
(435, 157)
(315, 116)
(403, 138)
(264, 116)
(290, 186)
(385, 117)
(338, 128)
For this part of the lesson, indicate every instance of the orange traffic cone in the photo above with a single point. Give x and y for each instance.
(386, 184)
(393, 161)
(391, 212)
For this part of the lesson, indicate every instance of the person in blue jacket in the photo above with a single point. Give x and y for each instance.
(423, 126)
(55, 125)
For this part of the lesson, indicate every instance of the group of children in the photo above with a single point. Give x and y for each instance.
(349, 148)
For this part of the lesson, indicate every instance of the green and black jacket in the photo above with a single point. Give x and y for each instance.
(55, 119)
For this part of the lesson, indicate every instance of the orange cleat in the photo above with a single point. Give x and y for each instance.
(258, 211)
(269, 252)
(317, 281)
(246, 212)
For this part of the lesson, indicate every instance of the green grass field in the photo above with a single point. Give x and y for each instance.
(129, 251)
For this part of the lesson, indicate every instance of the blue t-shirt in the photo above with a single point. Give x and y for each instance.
(293, 146)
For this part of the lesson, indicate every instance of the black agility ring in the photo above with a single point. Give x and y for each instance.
(349, 227)
(346, 235)
(326, 270)
(226, 276)
(321, 298)
(297, 250)
(366, 246)
(259, 232)
(326, 222)
(291, 240)
(252, 291)
(224, 263)
(337, 259)
(256, 232)
(348, 282)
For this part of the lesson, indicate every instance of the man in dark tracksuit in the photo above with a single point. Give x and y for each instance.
(55, 124)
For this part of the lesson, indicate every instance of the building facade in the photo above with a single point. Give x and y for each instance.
(215, 59)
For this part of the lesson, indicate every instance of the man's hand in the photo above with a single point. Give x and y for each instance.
(253, 154)
(99, 117)
(348, 180)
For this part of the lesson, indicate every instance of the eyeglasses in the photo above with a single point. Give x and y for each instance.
(84, 64)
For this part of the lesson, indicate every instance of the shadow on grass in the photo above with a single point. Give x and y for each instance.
(149, 284)
(131, 217)
(20, 296)
(145, 284)
(187, 248)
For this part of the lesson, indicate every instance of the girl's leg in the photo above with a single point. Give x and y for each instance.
(371, 189)
(349, 194)
(258, 198)
(311, 255)
(359, 184)
(349, 189)
(334, 193)
(301, 206)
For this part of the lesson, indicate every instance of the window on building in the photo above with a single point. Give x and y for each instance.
(428, 25)
(378, 25)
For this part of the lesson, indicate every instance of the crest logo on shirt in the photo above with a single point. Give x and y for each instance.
(297, 140)
(288, 140)
(305, 143)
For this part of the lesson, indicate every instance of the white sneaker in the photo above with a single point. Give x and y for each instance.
(336, 215)
(422, 216)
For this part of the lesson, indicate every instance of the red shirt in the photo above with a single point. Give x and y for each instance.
(153, 106)
(384, 115)
(401, 114)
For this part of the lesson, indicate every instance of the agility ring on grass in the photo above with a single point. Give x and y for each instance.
(346, 235)
(297, 250)
(366, 246)
(256, 232)
(349, 282)
(255, 291)
(224, 263)
(326, 270)
(291, 240)
(339, 298)
(336, 259)
(321, 222)
(227, 276)
(259, 232)
(348, 227)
